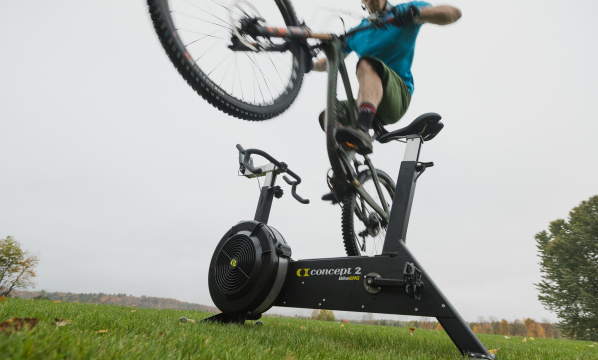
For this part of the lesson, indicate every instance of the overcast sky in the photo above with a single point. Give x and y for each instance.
(124, 179)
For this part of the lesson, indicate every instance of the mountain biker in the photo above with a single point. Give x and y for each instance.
(384, 67)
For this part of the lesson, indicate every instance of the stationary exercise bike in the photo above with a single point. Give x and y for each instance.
(252, 270)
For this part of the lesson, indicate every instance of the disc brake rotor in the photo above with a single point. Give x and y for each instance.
(247, 17)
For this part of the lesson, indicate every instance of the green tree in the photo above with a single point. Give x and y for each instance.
(17, 266)
(569, 264)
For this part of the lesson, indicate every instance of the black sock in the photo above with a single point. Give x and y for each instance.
(366, 115)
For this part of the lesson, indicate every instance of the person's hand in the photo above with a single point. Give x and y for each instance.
(405, 15)
(309, 64)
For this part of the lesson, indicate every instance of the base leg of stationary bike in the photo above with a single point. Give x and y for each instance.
(230, 319)
(341, 284)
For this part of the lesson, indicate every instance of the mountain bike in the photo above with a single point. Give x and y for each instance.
(232, 57)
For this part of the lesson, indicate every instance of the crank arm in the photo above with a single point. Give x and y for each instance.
(411, 282)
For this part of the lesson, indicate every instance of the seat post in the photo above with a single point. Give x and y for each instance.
(403, 199)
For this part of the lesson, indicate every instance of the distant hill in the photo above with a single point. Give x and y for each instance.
(116, 299)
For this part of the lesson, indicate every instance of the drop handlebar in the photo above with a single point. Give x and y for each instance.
(249, 166)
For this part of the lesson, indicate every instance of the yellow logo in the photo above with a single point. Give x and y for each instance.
(233, 262)
(305, 272)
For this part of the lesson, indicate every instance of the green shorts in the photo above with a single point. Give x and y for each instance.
(395, 98)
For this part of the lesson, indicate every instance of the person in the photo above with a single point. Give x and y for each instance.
(384, 67)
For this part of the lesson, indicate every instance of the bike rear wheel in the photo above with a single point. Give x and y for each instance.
(247, 84)
(364, 230)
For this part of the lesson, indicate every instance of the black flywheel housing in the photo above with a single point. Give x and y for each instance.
(248, 269)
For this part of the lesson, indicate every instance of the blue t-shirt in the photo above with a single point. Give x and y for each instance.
(394, 46)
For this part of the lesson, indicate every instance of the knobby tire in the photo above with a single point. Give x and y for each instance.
(348, 209)
(206, 88)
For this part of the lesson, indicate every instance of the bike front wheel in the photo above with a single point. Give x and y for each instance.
(364, 230)
(248, 78)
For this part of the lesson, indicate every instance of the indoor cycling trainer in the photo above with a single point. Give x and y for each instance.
(252, 270)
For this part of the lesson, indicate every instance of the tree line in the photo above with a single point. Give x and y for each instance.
(115, 299)
(524, 327)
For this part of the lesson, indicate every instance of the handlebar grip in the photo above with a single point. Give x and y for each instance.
(246, 163)
(294, 190)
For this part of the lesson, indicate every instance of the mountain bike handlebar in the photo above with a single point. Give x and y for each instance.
(247, 155)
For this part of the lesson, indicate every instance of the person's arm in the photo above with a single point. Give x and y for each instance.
(439, 15)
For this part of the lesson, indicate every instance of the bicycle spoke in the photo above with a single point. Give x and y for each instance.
(220, 63)
(206, 32)
(197, 7)
(265, 82)
(256, 79)
(226, 73)
(369, 239)
(226, 7)
(196, 18)
(210, 48)
(206, 35)
(282, 81)
(240, 81)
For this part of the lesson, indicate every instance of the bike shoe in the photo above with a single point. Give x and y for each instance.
(355, 138)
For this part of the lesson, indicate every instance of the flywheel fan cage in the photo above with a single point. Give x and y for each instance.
(230, 279)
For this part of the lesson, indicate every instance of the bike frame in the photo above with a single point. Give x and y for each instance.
(340, 159)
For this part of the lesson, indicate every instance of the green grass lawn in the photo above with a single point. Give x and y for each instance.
(151, 333)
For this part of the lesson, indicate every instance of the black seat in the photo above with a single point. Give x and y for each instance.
(427, 126)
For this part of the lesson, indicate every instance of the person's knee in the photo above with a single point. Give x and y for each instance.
(366, 66)
(369, 67)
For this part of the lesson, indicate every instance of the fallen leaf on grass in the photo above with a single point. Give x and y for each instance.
(591, 345)
(506, 337)
(18, 323)
(524, 340)
(61, 322)
(103, 331)
(56, 301)
(411, 330)
(133, 310)
(493, 351)
(160, 335)
(531, 338)
(342, 325)
(303, 328)
(3, 298)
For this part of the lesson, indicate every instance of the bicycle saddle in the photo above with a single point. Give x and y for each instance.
(427, 125)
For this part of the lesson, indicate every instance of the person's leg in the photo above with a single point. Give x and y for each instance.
(371, 90)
